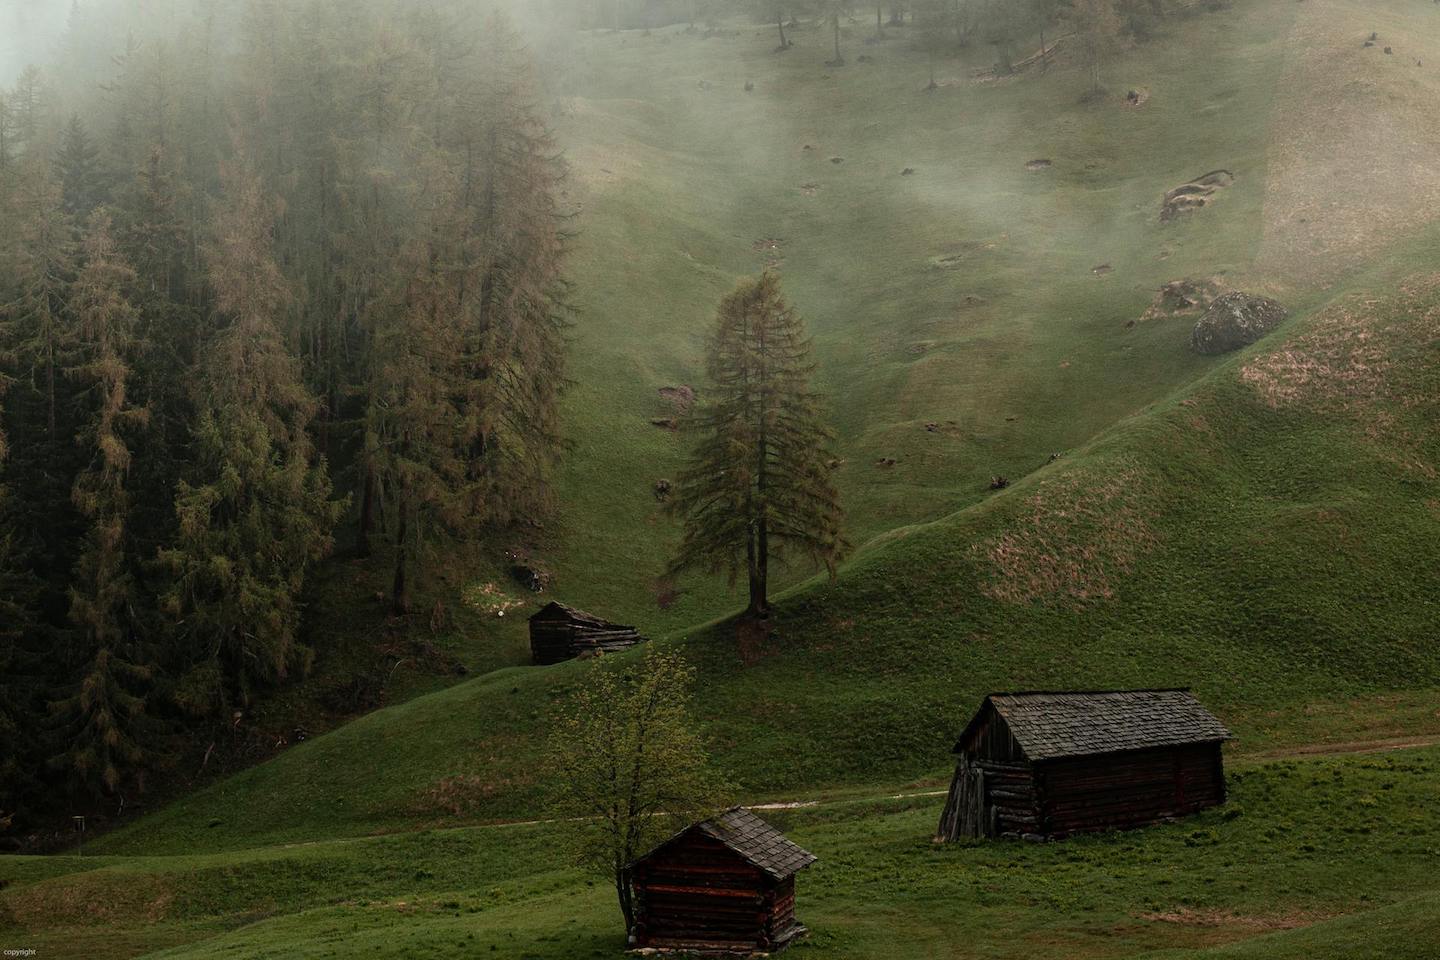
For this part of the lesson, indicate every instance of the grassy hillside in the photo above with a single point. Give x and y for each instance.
(961, 295)
(1264, 537)
(1310, 858)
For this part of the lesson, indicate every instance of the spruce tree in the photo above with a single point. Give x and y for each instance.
(255, 514)
(759, 481)
(77, 168)
(13, 624)
(467, 347)
(100, 722)
(37, 326)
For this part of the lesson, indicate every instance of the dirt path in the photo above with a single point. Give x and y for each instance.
(1353, 746)
(1307, 751)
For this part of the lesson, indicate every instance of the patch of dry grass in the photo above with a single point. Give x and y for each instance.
(1074, 537)
(1354, 358)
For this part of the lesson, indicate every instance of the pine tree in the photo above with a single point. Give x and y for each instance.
(101, 721)
(758, 482)
(513, 295)
(36, 322)
(13, 624)
(77, 168)
(154, 238)
(413, 431)
(29, 102)
(467, 348)
(256, 513)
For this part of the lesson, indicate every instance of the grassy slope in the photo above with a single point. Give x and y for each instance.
(1278, 559)
(1300, 843)
(677, 182)
(1264, 536)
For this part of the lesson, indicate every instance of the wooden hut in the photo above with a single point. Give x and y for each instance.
(559, 633)
(724, 885)
(1046, 765)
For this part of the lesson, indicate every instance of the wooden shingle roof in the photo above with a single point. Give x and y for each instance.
(1052, 726)
(555, 610)
(756, 841)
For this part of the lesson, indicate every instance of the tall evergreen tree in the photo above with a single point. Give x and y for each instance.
(467, 348)
(37, 325)
(100, 721)
(759, 482)
(77, 168)
(256, 513)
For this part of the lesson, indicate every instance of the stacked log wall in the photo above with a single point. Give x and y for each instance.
(564, 638)
(1129, 789)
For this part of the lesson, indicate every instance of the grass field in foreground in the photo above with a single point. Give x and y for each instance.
(1309, 856)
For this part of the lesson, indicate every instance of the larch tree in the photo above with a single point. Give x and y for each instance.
(256, 513)
(36, 319)
(467, 346)
(759, 481)
(77, 168)
(100, 722)
(628, 765)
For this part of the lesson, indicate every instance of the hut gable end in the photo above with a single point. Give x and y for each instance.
(726, 885)
(559, 632)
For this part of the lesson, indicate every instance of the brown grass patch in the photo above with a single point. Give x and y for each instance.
(102, 897)
(1267, 922)
(463, 794)
(1355, 357)
(1074, 539)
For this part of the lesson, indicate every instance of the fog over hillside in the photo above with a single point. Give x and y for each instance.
(28, 29)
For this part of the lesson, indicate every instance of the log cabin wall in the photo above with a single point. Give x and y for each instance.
(1129, 789)
(699, 894)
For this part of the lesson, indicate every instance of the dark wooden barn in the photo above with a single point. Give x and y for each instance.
(724, 885)
(1046, 765)
(559, 633)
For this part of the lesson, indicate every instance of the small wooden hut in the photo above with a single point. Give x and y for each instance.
(559, 633)
(1046, 765)
(726, 885)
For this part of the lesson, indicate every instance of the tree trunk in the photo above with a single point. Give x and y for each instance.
(627, 899)
(50, 392)
(760, 541)
(780, 22)
(367, 515)
(759, 608)
(836, 20)
(879, 24)
(400, 590)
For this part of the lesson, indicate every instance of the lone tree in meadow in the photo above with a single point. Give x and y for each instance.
(759, 482)
(628, 766)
